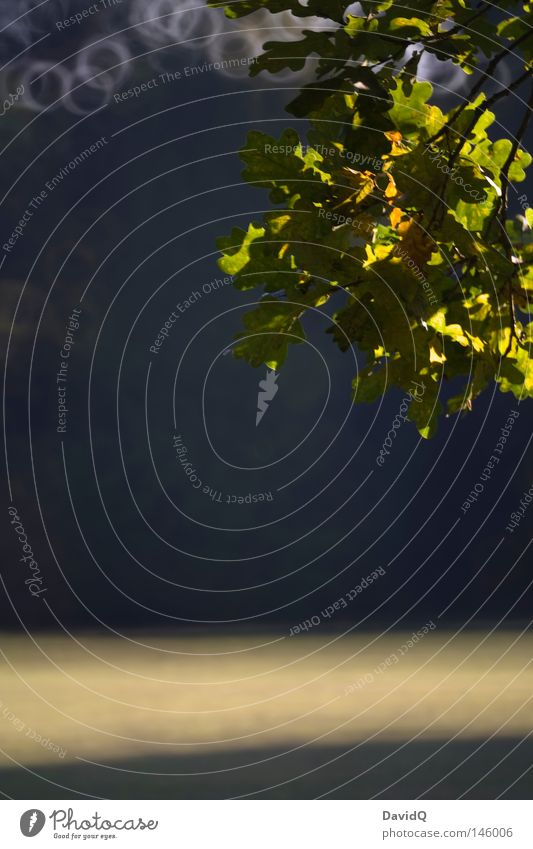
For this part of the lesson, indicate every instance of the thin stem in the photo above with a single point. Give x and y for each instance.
(507, 89)
(500, 208)
(456, 29)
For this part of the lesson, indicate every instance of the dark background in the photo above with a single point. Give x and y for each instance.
(117, 547)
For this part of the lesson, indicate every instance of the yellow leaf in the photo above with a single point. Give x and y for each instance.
(476, 342)
(277, 224)
(363, 181)
(398, 148)
(438, 320)
(382, 251)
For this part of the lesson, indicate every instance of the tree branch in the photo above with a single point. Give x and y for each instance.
(476, 88)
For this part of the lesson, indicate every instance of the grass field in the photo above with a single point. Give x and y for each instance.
(268, 716)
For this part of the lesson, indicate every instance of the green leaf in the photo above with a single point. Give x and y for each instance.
(236, 248)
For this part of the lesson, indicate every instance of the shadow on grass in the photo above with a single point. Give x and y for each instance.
(498, 767)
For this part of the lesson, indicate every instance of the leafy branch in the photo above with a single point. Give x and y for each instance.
(370, 211)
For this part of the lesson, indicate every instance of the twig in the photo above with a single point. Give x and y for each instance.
(476, 88)
(454, 30)
(504, 174)
(508, 88)
(501, 211)
(501, 206)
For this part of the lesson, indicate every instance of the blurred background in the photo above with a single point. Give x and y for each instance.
(152, 641)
